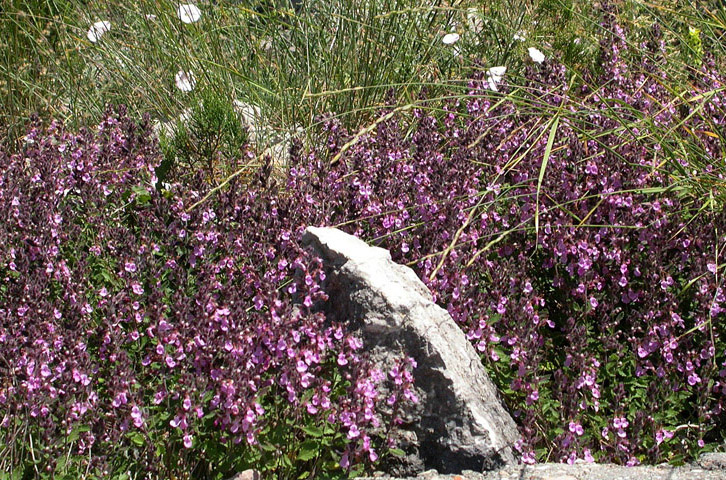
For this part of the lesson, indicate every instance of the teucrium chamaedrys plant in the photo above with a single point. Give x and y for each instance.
(558, 228)
(139, 337)
(553, 223)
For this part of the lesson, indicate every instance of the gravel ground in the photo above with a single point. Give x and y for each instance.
(709, 467)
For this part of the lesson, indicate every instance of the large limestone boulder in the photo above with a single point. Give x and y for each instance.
(460, 423)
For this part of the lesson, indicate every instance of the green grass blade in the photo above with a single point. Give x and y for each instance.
(548, 151)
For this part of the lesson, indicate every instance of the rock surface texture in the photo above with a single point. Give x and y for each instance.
(711, 466)
(460, 423)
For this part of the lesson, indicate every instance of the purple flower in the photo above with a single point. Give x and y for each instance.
(119, 399)
(353, 432)
(341, 359)
(576, 428)
(170, 362)
(137, 416)
(620, 422)
(528, 458)
(593, 302)
(588, 456)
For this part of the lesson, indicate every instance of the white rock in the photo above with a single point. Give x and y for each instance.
(713, 461)
(248, 474)
(188, 13)
(536, 55)
(494, 76)
(185, 81)
(460, 422)
(97, 30)
(475, 20)
(450, 38)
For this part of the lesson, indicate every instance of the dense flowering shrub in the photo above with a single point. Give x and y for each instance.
(136, 333)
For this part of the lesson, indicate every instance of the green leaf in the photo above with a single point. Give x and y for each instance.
(61, 464)
(308, 450)
(494, 318)
(268, 447)
(160, 449)
(136, 438)
(106, 276)
(73, 436)
(543, 168)
(356, 471)
(313, 431)
(397, 452)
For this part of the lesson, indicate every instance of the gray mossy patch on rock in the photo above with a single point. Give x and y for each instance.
(460, 423)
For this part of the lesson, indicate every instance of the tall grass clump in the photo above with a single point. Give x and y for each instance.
(292, 62)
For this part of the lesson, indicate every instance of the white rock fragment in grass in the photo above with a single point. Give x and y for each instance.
(475, 20)
(494, 76)
(188, 13)
(97, 30)
(536, 55)
(450, 38)
(185, 81)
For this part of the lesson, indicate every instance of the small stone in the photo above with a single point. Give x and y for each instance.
(248, 474)
(713, 461)
(428, 473)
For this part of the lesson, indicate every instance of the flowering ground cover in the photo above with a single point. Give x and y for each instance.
(139, 337)
(158, 320)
